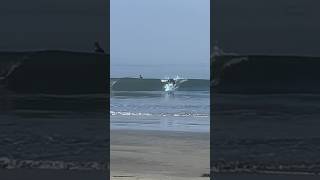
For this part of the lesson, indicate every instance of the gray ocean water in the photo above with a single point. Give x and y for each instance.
(184, 110)
(53, 131)
(266, 133)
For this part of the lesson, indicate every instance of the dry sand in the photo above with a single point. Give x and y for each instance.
(159, 155)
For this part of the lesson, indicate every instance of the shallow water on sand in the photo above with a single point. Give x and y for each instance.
(157, 110)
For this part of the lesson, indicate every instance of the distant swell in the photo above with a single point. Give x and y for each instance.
(7, 163)
(135, 84)
(266, 74)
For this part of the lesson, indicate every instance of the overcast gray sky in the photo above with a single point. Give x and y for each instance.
(53, 24)
(156, 38)
(267, 26)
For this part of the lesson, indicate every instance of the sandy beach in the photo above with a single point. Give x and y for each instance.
(157, 155)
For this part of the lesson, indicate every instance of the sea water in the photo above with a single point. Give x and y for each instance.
(53, 131)
(266, 132)
(182, 110)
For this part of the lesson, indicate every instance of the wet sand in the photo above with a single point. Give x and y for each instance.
(157, 155)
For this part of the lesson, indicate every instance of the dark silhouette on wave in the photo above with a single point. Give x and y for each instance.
(98, 48)
(265, 74)
(54, 72)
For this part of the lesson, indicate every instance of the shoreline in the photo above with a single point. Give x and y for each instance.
(156, 155)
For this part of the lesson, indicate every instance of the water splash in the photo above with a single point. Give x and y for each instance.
(172, 86)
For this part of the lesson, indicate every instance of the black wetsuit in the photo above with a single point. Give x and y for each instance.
(172, 81)
(98, 49)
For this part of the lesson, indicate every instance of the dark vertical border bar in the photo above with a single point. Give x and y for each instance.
(54, 103)
(211, 90)
(108, 88)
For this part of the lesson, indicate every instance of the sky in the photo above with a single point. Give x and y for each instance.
(158, 38)
(278, 27)
(53, 24)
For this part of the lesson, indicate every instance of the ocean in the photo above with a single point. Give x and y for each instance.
(53, 131)
(142, 104)
(265, 115)
(266, 133)
(53, 110)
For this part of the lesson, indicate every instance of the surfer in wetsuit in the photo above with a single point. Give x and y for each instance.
(98, 48)
(172, 81)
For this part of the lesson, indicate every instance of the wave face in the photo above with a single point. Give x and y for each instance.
(265, 74)
(54, 72)
(135, 84)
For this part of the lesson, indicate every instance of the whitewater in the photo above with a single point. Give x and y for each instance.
(145, 104)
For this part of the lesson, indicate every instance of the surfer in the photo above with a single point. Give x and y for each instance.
(172, 81)
(170, 86)
(98, 48)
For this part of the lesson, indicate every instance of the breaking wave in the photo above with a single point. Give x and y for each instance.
(135, 84)
(265, 74)
(54, 72)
